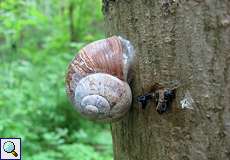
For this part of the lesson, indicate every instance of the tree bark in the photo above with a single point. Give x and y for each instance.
(186, 41)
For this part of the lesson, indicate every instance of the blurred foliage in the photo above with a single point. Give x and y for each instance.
(37, 40)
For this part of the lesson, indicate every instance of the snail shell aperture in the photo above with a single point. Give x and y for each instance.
(97, 79)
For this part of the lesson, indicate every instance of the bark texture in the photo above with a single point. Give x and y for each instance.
(186, 41)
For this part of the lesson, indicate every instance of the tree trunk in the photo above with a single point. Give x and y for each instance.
(185, 41)
(71, 22)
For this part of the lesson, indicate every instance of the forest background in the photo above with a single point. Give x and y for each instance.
(37, 41)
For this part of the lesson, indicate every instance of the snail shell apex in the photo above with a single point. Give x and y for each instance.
(96, 80)
(108, 94)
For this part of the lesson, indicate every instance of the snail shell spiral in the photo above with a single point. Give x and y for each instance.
(96, 80)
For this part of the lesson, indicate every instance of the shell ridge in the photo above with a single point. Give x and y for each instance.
(96, 79)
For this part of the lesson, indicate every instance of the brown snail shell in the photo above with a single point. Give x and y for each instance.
(96, 80)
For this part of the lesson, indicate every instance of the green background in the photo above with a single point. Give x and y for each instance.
(36, 45)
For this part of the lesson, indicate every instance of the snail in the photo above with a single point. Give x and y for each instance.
(97, 79)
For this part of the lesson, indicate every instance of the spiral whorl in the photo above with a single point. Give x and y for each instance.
(96, 79)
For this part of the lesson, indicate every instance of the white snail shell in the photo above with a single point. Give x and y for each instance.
(96, 80)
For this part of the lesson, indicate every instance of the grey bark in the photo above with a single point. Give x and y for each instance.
(187, 41)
